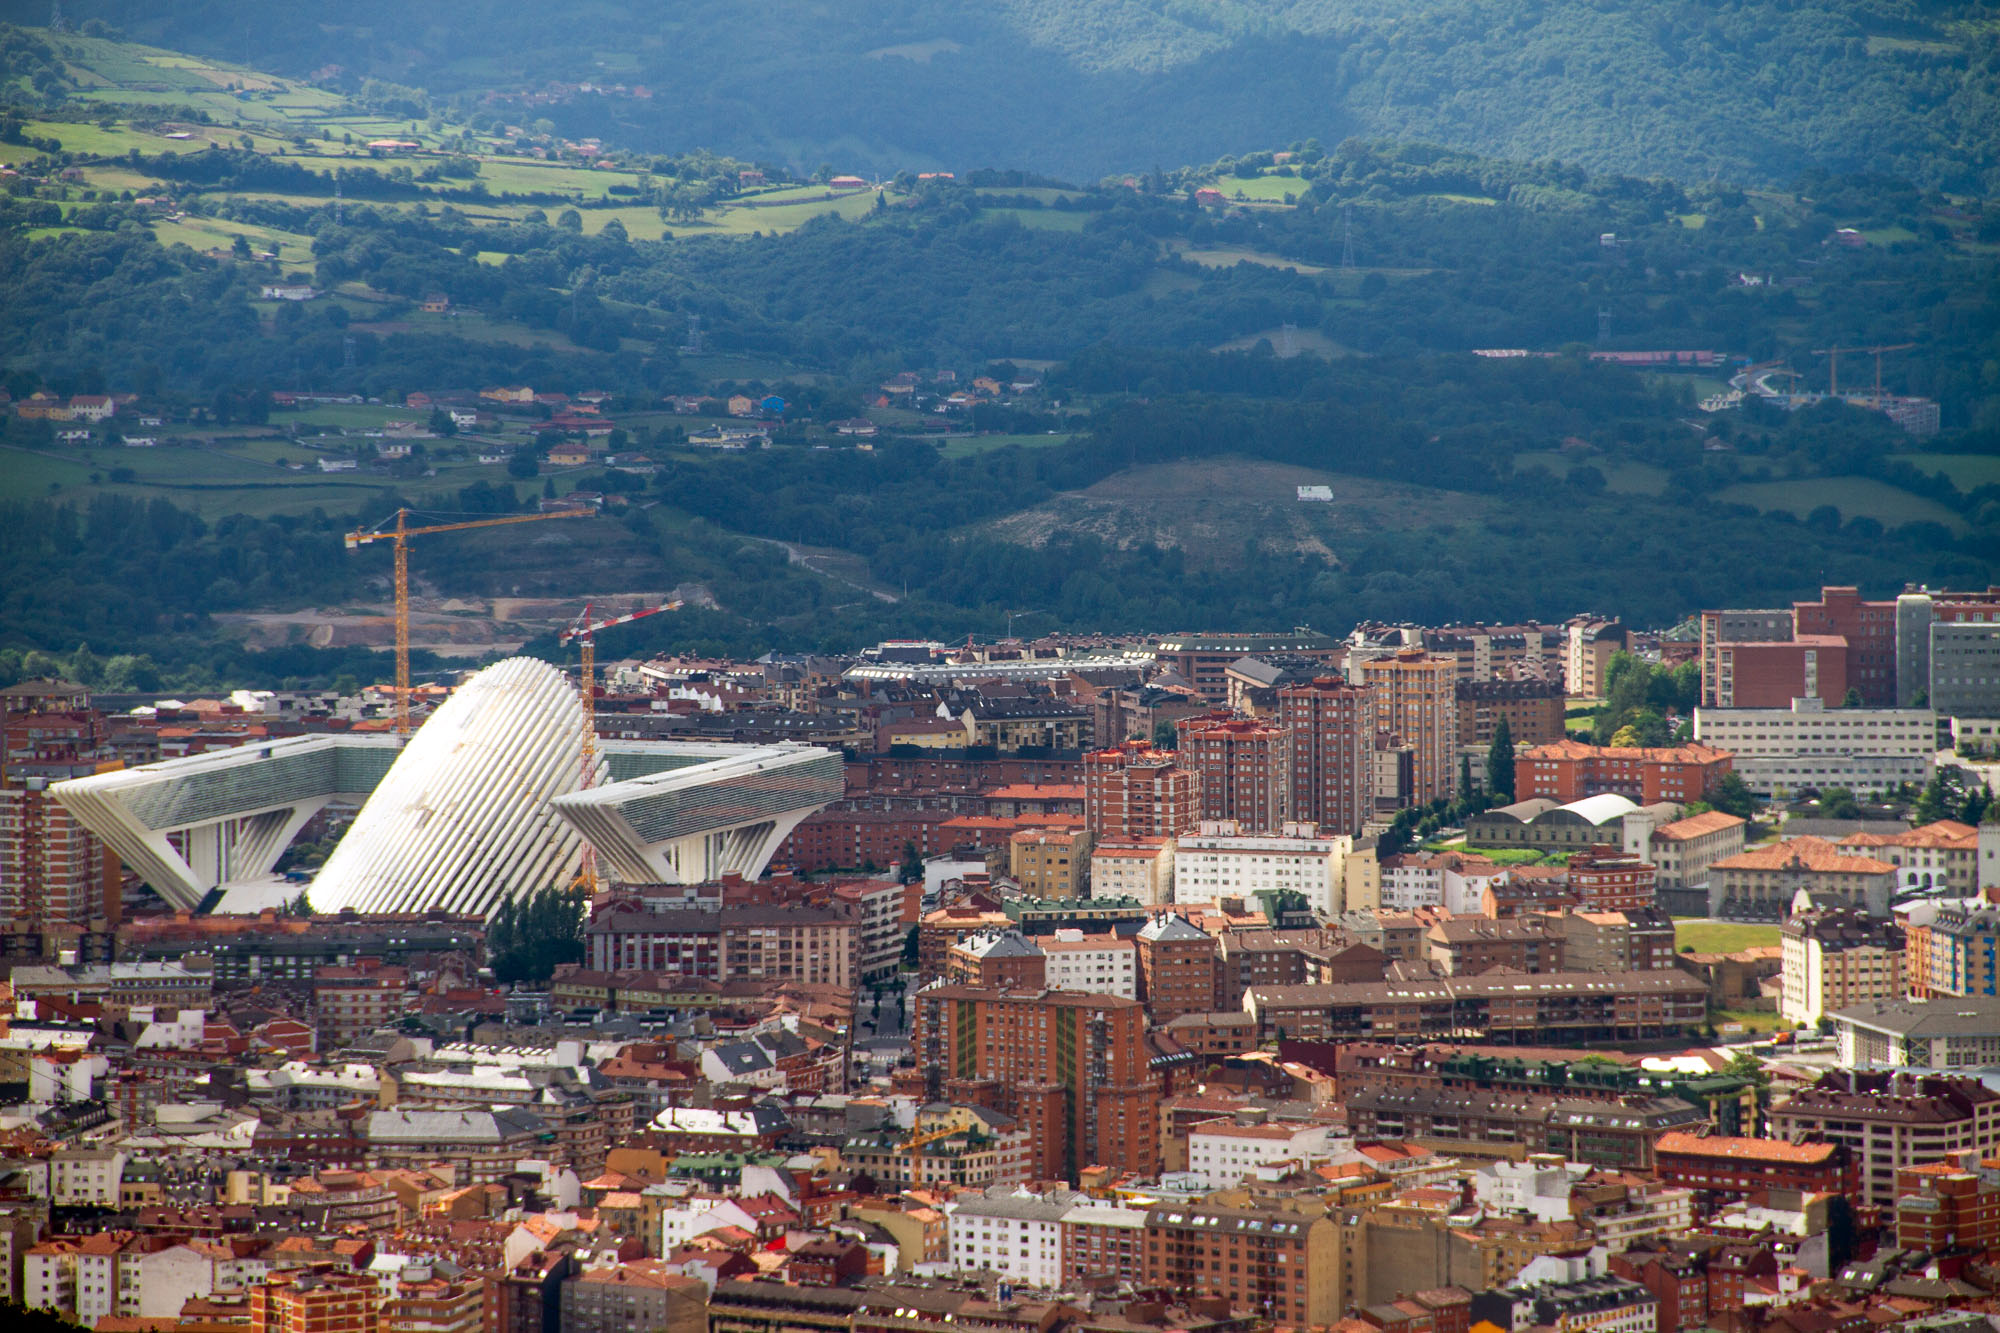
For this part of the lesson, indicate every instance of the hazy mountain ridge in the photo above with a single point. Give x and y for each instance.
(1754, 90)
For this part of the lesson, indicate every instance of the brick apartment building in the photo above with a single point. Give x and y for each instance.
(1558, 1007)
(1242, 770)
(1533, 710)
(1567, 770)
(1134, 791)
(1890, 1121)
(1722, 1164)
(1607, 879)
(1073, 1068)
(1817, 650)
(1332, 727)
(1416, 706)
(1284, 1264)
(1180, 968)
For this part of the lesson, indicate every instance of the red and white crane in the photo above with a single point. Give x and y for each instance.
(583, 632)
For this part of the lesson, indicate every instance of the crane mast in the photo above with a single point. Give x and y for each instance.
(583, 632)
(400, 535)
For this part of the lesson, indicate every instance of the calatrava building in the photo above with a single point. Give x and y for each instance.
(485, 802)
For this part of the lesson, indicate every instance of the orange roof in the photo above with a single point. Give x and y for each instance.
(1745, 1150)
(1814, 854)
(1037, 791)
(1944, 833)
(1694, 752)
(1695, 826)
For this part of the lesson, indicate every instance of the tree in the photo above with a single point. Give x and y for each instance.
(1852, 699)
(532, 935)
(1977, 802)
(522, 464)
(1165, 736)
(570, 220)
(441, 423)
(1500, 761)
(1732, 796)
(1935, 802)
(912, 869)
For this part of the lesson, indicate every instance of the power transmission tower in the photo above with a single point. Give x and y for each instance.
(1347, 236)
(56, 21)
(347, 351)
(1604, 324)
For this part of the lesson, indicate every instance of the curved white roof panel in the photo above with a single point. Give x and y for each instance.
(1602, 808)
(462, 819)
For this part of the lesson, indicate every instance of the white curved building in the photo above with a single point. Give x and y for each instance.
(463, 816)
(484, 803)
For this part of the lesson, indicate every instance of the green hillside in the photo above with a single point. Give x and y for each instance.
(1748, 90)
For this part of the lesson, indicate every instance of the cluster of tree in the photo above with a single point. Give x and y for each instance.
(534, 934)
(1646, 704)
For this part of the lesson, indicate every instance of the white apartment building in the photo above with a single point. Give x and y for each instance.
(1010, 1231)
(1224, 1153)
(1217, 862)
(1142, 868)
(1681, 851)
(48, 1276)
(1834, 959)
(85, 1175)
(1811, 745)
(880, 948)
(1099, 964)
(1539, 1187)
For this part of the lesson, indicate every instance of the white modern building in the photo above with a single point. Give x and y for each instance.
(1218, 862)
(1142, 869)
(1811, 745)
(1099, 964)
(484, 803)
(1225, 1154)
(1012, 1231)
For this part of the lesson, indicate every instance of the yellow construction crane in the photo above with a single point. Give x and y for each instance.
(583, 632)
(401, 534)
(1834, 352)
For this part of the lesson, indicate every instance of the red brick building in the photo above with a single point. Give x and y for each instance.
(1073, 1068)
(1333, 749)
(1135, 791)
(1003, 960)
(836, 839)
(1568, 771)
(1941, 1204)
(1869, 629)
(1180, 968)
(1242, 770)
(1721, 1164)
(1606, 879)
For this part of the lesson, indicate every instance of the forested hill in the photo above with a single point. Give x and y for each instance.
(1748, 90)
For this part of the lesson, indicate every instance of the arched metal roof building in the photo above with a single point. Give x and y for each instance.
(484, 803)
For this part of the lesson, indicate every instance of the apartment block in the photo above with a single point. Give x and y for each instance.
(1216, 861)
(1890, 1121)
(1242, 770)
(1180, 968)
(1571, 770)
(1532, 709)
(1135, 792)
(1415, 696)
(1809, 745)
(1073, 1068)
(1141, 869)
(1333, 726)
(1838, 957)
(1283, 1264)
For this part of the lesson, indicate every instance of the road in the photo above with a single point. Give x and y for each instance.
(799, 555)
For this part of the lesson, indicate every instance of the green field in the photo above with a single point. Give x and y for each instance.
(1264, 189)
(1721, 936)
(979, 444)
(1853, 496)
(1229, 258)
(1045, 219)
(1508, 856)
(1623, 476)
(1968, 472)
